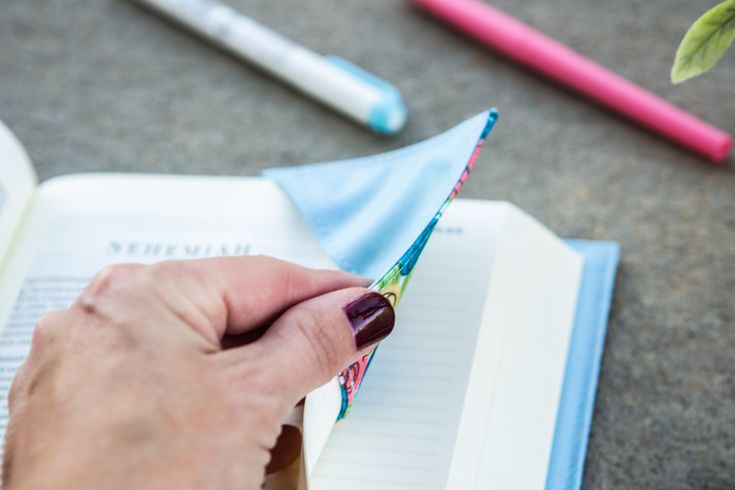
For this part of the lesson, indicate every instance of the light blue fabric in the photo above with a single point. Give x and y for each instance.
(577, 402)
(367, 212)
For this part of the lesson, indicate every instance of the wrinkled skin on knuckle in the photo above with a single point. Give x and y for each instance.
(123, 305)
(321, 341)
(115, 282)
(183, 287)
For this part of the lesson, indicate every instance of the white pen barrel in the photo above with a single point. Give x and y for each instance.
(301, 68)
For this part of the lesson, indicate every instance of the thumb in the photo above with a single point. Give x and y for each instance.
(314, 340)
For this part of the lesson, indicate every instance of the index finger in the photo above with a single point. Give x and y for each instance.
(256, 289)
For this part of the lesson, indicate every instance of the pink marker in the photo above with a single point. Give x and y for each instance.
(552, 59)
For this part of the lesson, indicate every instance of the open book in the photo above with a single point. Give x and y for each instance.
(464, 394)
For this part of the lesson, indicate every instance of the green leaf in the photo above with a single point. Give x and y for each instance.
(705, 42)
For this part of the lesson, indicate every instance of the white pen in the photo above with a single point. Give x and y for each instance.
(330, 80)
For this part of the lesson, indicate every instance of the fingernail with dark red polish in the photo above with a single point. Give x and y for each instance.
(371, 317)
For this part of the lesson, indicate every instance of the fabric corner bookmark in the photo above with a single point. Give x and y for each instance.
(374, 215)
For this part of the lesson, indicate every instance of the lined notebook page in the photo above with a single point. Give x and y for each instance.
(402, 428)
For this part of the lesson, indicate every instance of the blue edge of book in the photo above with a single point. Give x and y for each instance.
(577, 401)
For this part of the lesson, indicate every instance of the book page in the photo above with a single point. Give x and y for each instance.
(510, 412)
(402, 430)
(17, 182)
(84, 223)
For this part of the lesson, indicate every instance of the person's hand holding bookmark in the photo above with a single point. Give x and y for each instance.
(130, 387)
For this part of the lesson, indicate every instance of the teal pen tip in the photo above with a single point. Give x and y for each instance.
(389, 116)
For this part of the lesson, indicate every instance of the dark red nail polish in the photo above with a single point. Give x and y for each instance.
(371, 317)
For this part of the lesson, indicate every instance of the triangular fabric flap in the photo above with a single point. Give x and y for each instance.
(368, 211)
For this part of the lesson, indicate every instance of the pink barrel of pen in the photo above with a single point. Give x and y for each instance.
(552, 59)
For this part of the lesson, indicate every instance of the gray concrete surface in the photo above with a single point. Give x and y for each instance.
(105, 85)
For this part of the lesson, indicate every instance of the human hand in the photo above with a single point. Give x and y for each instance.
(130, 387)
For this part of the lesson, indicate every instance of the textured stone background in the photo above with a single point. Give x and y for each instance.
(105, 85)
